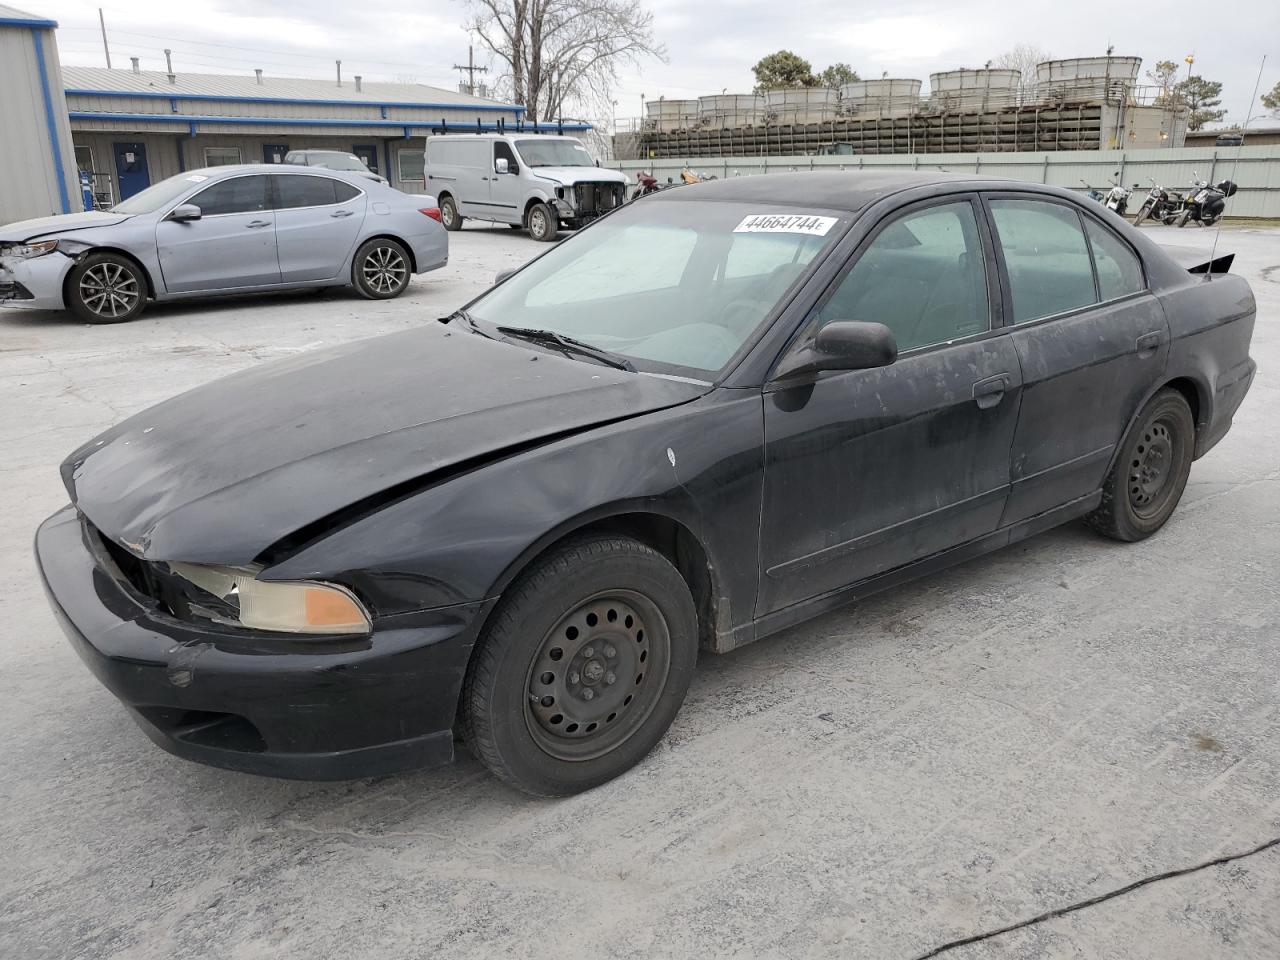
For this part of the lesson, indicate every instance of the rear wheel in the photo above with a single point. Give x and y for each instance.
(582, 667)
(543, 223)
(380, 270)
(449, 214)
(106, 288)
(1148, 477)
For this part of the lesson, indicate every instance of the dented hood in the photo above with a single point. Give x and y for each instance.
(219, 474)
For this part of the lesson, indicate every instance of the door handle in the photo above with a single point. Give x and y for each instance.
(989, 392)
(1148, 343)
(255, 224)
(341, 213)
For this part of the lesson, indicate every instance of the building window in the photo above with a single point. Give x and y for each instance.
(84, 159)
(410, 162)
(221, 156)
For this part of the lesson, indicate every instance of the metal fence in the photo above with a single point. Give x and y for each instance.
(1256, 170)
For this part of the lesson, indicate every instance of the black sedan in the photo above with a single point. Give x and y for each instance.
(716, 412)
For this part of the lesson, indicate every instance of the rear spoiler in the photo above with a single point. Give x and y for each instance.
(1195, 261)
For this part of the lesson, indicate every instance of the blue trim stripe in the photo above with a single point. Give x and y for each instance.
(37, 37)
(224, 98)
(32, 24)
(442, 123)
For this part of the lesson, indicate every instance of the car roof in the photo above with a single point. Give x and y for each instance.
(509, 135)
(831, 189)
(233, 169)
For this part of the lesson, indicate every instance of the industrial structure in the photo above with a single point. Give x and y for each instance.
(1089, 103)
(37, 166)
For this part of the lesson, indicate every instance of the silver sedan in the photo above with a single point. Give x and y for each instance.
(234, 229)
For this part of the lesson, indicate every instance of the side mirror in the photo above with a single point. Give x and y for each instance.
(184, 212)
(501, 165)
(842, 345)
(503, 275)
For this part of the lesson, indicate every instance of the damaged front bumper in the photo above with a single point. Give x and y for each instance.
(284, 706)
(35, 282)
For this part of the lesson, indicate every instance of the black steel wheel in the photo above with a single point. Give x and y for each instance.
(582, 666)
(1150, 473)
(449, 215)
(543, 223)
(380, 270)
(106, 288)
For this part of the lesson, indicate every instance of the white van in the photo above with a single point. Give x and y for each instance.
(535, 181)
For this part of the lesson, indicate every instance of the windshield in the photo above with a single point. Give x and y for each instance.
(675, 287)
(554, 153)
(161, 194)
(338, 161)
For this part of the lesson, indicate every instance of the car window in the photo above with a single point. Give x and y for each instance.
(641, 258)
(759, 254)
(1119, 272)
(1045, 256)
(236, 195)
(343, 192)
(503, 151)
(924, 277)
(304, 191)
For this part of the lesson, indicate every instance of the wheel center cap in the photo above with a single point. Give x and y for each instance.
(592, 671)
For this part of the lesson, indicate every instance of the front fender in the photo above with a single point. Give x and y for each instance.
(467, 537)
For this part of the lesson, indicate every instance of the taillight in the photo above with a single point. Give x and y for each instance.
(432, 212)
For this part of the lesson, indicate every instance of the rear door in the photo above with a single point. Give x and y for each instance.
(232, 245)
(868, 470)
(1091, 339)
(318, 221)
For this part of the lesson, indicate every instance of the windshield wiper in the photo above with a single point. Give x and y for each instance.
(469, 320)
(570, 345)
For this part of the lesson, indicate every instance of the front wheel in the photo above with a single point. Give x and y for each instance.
(1183, 217)
(380, 270)
(543, 223)
(106, 288)
(1151, 471)
(582, 667)
(1143, 214)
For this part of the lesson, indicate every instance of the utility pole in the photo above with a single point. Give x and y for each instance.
(105, 49)
(470, 69)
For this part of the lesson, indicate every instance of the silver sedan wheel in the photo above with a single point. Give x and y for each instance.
(384, 270)
(109, 290)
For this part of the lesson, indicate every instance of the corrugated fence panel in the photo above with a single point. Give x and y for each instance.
(1255, 169)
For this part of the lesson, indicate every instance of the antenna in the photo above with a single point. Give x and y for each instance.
(1244, 132)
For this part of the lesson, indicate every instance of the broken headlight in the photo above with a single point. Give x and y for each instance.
(238, 597)
(28, 251)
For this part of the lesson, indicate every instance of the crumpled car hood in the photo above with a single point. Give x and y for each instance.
(571, 175)
(221, 473)
(52, 226)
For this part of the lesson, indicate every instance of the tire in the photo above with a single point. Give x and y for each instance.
(542, 221)
(1143, 214)
(449, 215)
(106, 288)
(380, 269)
(1183, 217)
(582, 667)
(1150, 473)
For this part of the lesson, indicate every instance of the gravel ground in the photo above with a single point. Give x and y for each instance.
(1018, 735)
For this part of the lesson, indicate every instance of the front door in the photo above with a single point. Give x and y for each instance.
(131, 168)
(368, 152)
(274, 152)
(506, 190)
(232, 245)
(1092, 343)
(868, 470)
(318, 220)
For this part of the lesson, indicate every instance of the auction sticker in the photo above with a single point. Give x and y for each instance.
(786, 223)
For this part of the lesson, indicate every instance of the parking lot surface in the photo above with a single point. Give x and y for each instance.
(1021, 734)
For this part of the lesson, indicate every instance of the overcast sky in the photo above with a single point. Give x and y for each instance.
(712, 45)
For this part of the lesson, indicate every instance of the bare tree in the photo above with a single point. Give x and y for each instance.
(562, 54)
(1023, 58)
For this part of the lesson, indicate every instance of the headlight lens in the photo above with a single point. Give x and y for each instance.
(26, 251)
(290, 607)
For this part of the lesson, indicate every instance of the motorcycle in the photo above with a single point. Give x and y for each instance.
(1206, 203)
(1091, 193)
(647, 183)
(1117, 198)
(1159, 201)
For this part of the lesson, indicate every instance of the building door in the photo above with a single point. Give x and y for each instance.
(368, 152)
(274, 152)
(131, 168)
